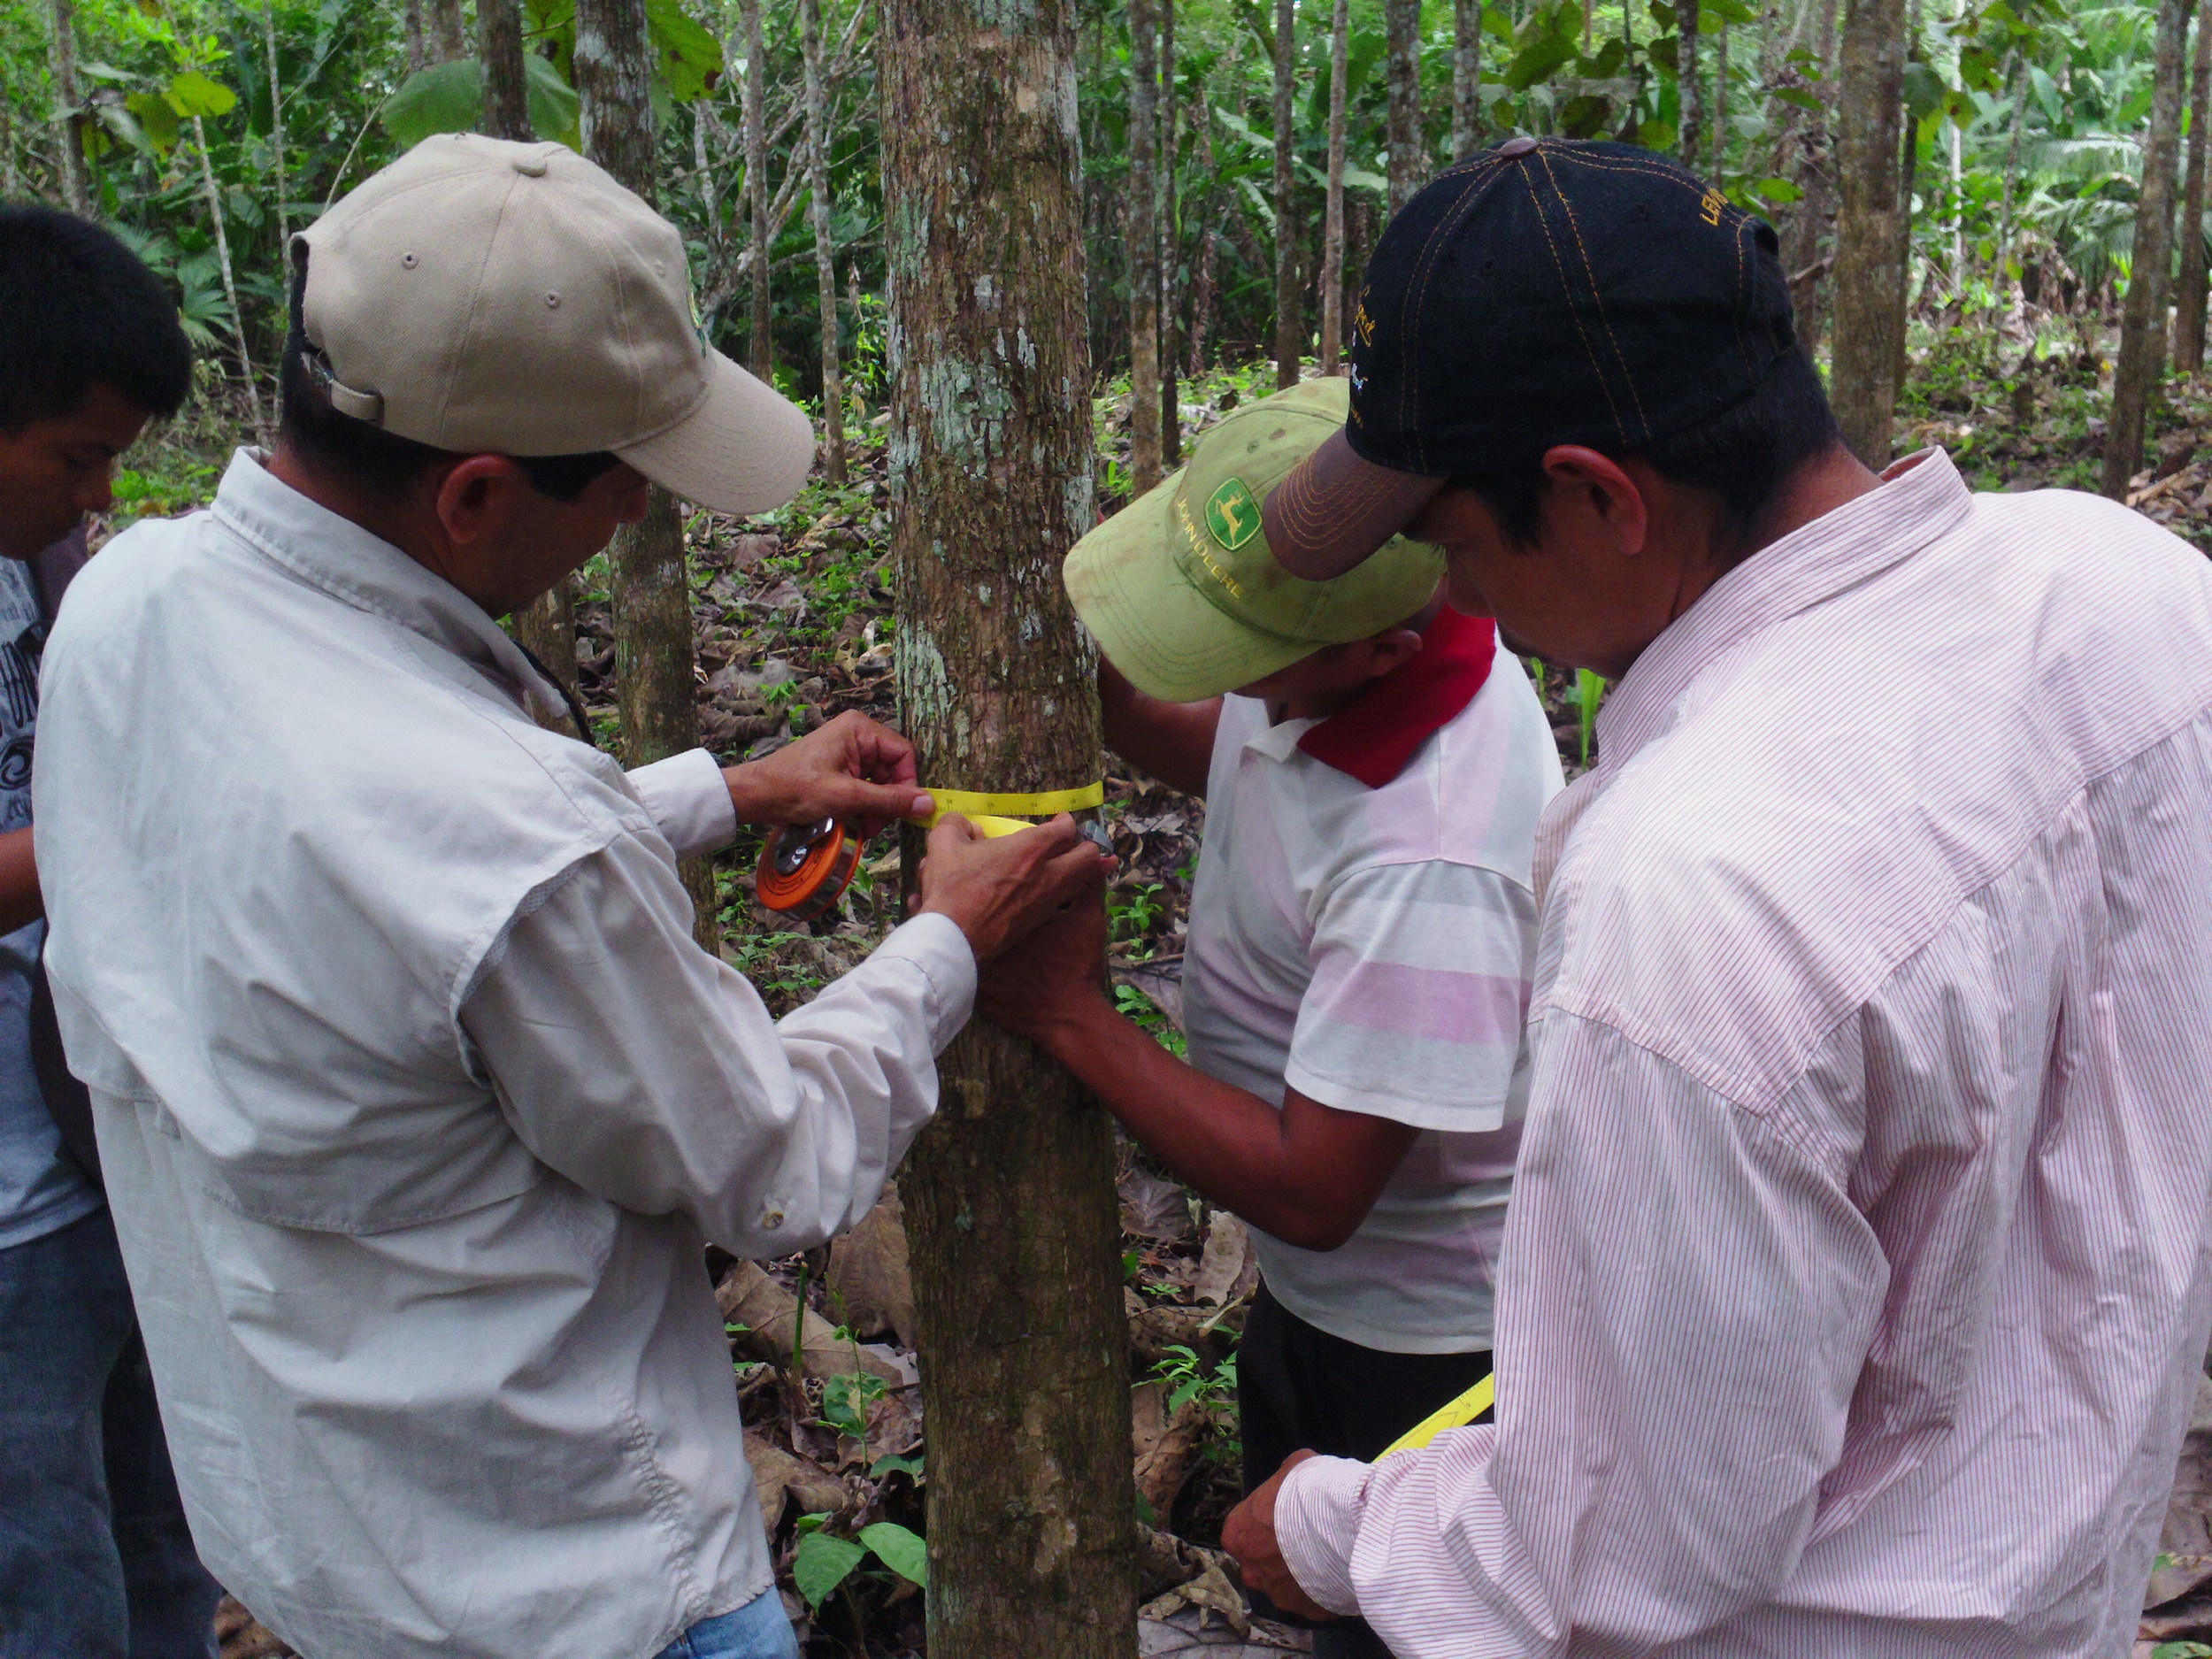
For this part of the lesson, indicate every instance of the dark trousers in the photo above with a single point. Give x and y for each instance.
(1299, 1388)
(95, 1560)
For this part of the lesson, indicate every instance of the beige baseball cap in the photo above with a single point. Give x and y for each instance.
(483, 296)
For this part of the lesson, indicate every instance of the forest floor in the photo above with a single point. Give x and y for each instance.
(794, 618)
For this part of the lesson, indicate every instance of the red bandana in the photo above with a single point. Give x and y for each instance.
(1375, 737)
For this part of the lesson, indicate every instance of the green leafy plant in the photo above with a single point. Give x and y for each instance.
(823, 1561)
(1589, 692)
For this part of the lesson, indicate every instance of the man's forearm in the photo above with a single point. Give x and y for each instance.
(19, 901)
(1229, 1144)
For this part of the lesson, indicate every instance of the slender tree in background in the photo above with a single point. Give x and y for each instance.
(1907, 182)
(818, 142)
(1467, 76)
(1690, 86)
(1333, 218)
(2018, 81)
(1171, 251)
(1203, 280)
(276, 123)
(1720, 101)
(444, 39)
(1009, 1199)
(1143, 205)
(1409, 149)
(411, 25)
(546, 627)
(2143, 319)
(76, 182)
(506, 113)
(1290, 332)
(2189, 294)
(213, 198)
(648, 586)
(1869, 253)
(760, 355)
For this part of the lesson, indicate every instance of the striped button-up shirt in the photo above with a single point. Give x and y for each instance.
(1856, 1269)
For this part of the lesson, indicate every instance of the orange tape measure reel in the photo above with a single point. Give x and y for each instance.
(805, 868)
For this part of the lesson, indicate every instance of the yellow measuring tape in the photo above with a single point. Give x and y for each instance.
(1001, 814)
(1457, 1415)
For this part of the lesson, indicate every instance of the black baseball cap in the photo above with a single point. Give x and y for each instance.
(1543, 292)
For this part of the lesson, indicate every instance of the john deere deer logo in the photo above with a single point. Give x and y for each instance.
(1233, 515)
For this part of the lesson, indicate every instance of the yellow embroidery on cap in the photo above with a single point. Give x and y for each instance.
(1711, 205)
(1233, 515)
(1205, 556)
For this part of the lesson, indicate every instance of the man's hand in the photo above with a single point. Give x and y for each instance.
(999, 891)
(851, 768)
(1249, 1535)
(1049, 980)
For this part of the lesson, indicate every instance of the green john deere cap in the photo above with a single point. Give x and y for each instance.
(1180, 590)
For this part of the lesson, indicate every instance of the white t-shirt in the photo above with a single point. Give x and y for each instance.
(1371, 947)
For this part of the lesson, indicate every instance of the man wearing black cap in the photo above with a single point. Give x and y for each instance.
(1857, 1269)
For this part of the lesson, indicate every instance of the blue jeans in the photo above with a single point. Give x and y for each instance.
(95, 1561)
(756, 1631)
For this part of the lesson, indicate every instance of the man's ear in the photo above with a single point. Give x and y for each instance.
(1390, 649)
(1589, 492)
(477, 499)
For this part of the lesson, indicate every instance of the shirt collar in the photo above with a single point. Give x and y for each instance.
(1375, 737)
(1920, 498)
(330, 552)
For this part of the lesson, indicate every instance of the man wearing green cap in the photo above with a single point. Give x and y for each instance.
(1360, 935)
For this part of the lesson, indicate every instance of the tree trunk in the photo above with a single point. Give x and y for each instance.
(1201, 298)
(1907, 183)
(1170, 252)
(1010, 1193)
(411, 23)
(2018, 81)
(818, 142)
(1869, 268)
(1466, 77)
(214, 199)
(76, 177)
(506, 110)
(276, 125)
(1290, 331)
(1689, 88)
(759, 345)
(1143, 232)
(1409, 154)
(1720, 104)
(443, 37)
(2143, 323)
(649, 584)
(2189, 297)
(1332, 222)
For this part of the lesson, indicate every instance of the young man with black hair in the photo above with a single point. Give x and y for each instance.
(1859, 1269)
(95, 1559)
(418, 1097)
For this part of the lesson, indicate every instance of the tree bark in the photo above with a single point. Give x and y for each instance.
(818, 142)
(2189, 294)
(649, 584)
(214, 199)
(1869, 268)
(1720, 104)
(1143, 232)
(1290, 330)
(759, 344)
(1170, 252)
(506, 79)
(444, 40)
(276, 125)
(76, 177)
(1466, 77)
(1009, 1195)
(1689, 87)
(1907, 183)
(1201, 299)
(1333, 218)
(411, 24)
(1408, 153)
(2143, 322)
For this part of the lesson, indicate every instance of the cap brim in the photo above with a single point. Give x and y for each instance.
(1333, 510)
(1165, 635)
(744, 450)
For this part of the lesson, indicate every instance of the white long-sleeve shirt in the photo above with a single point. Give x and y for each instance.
(415, 1097)
(1855, 1276)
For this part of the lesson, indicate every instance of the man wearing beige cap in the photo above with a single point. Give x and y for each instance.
(415, 1098)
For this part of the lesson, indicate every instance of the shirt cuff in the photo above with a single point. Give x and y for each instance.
(934, 944)
(689, 803)
(1318, 1511)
